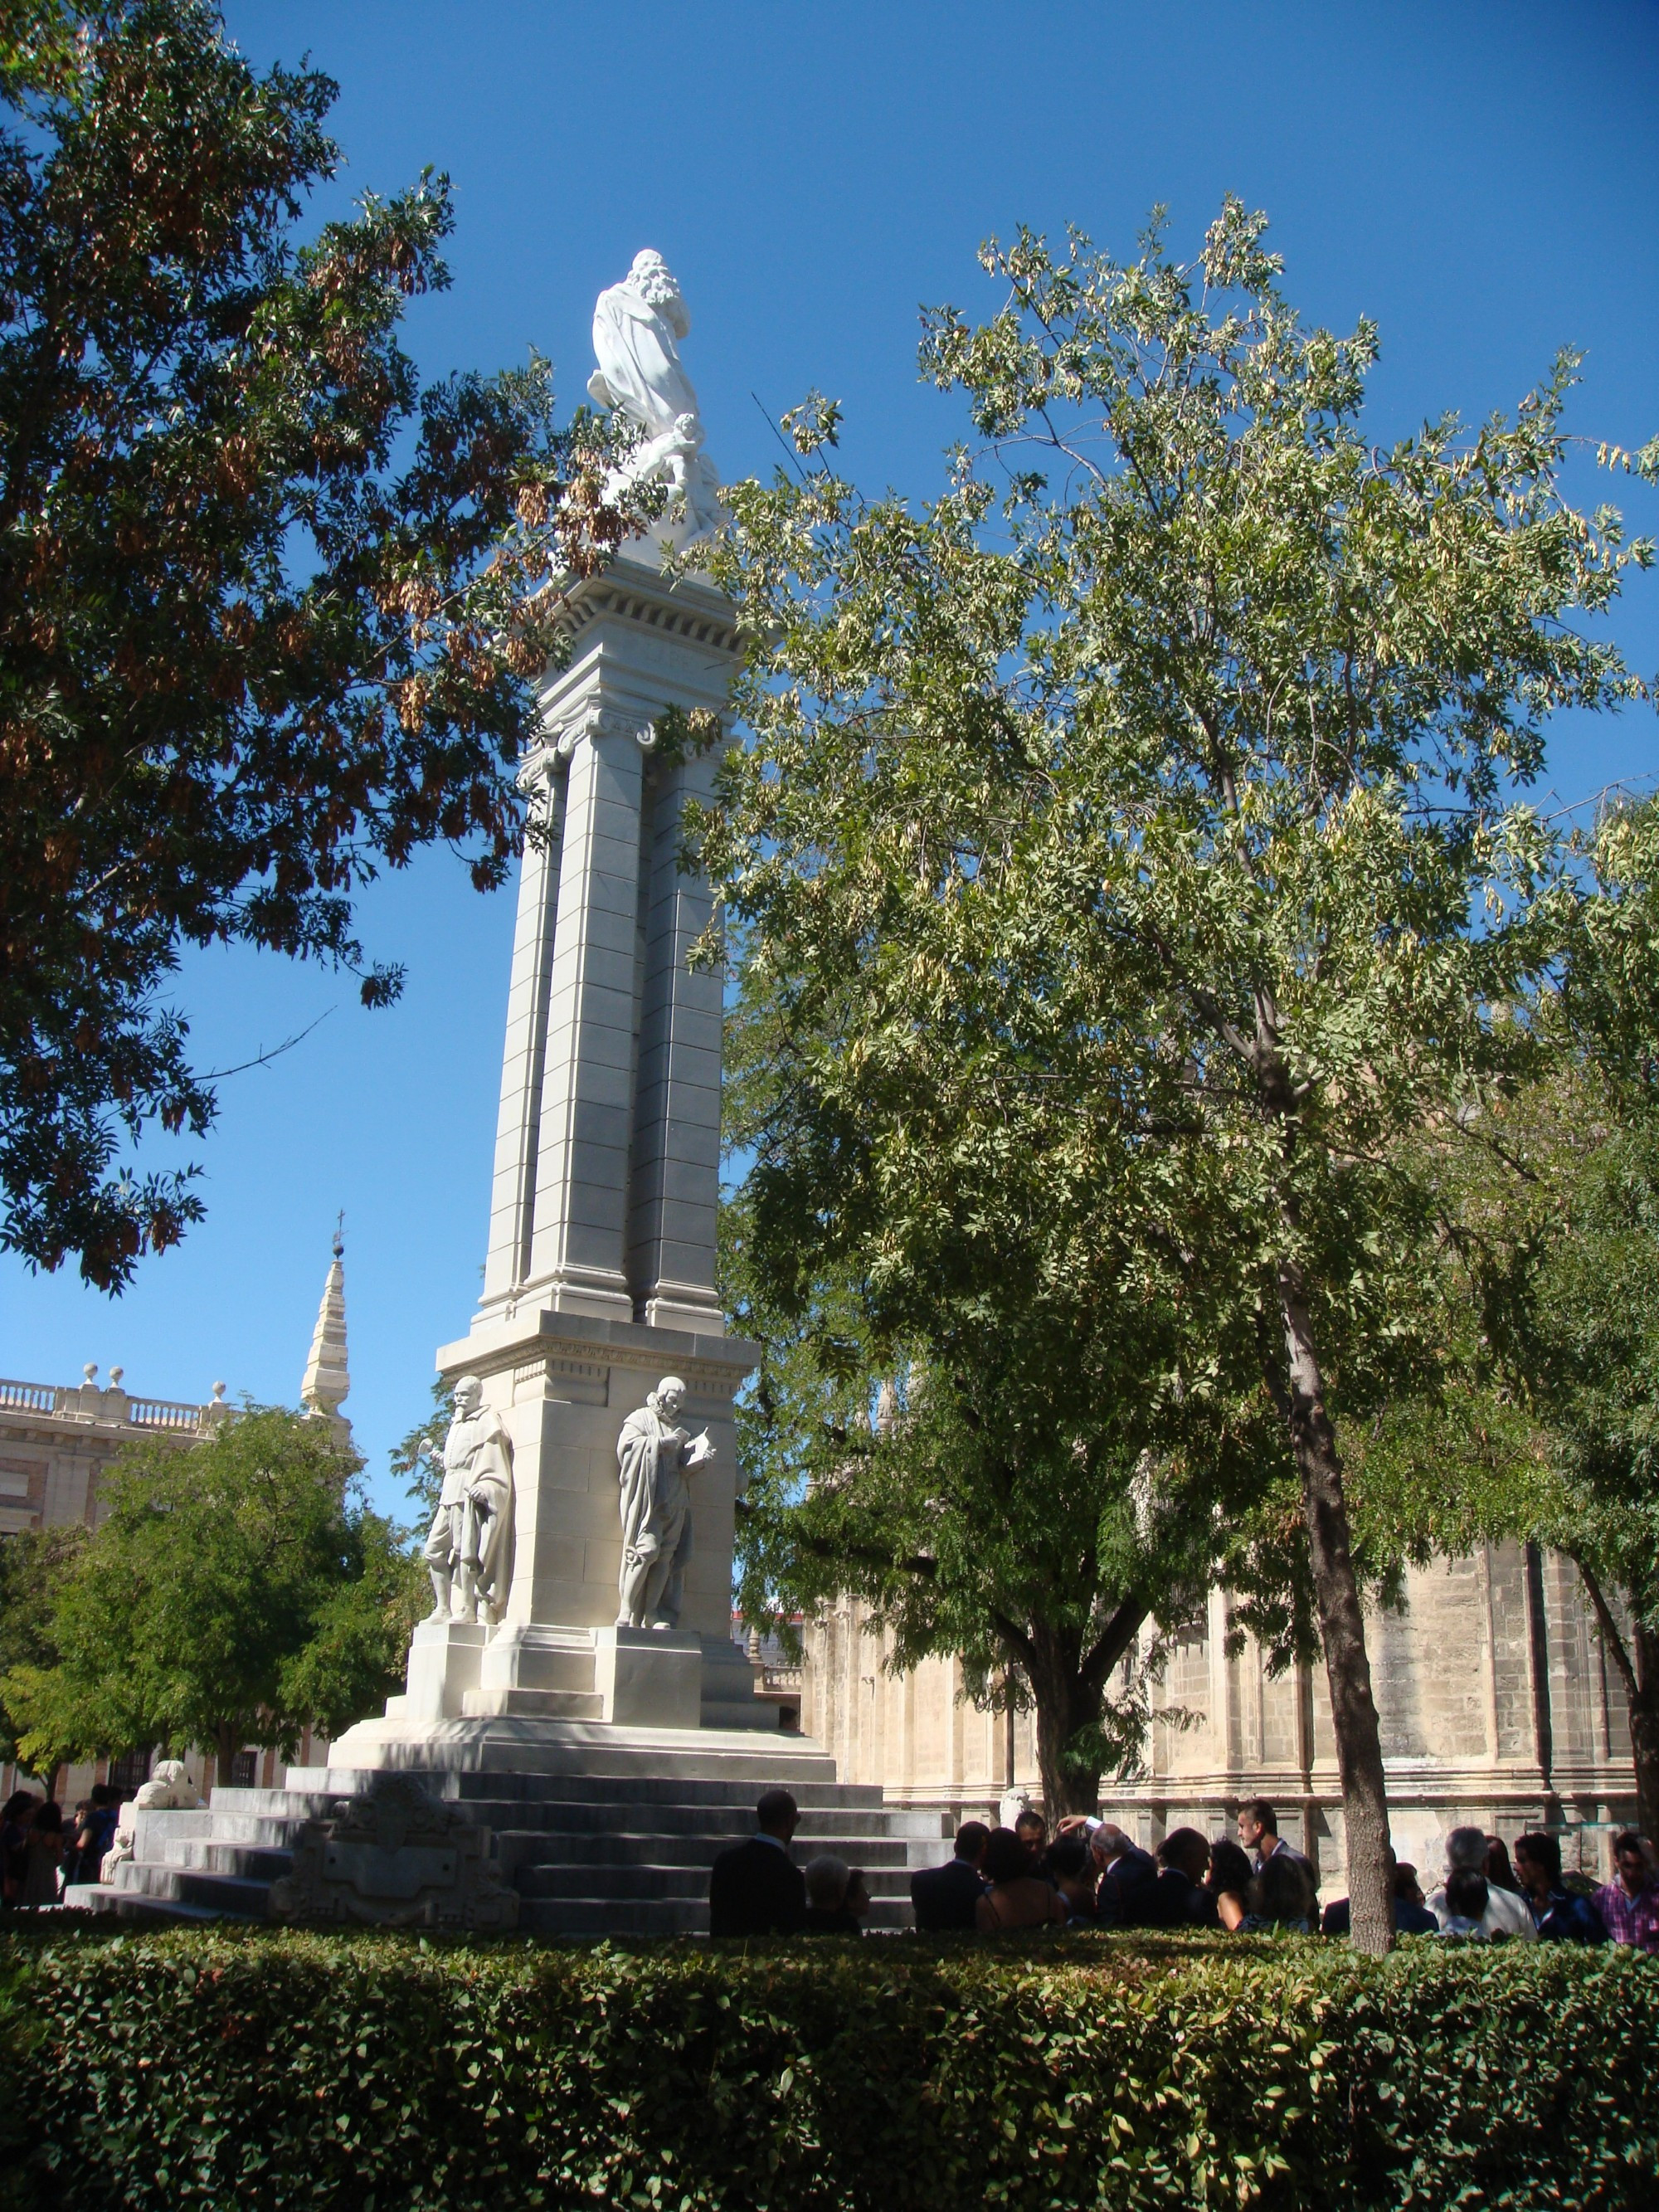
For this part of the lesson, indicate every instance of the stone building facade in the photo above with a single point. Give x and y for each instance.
(1496, 1700)
(57, 1440)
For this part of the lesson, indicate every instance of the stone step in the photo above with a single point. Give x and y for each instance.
(538, 1847)
(590, 1917)
(649, 1877)
(251, 1862)
(324, 1785)
(732, 1822)
(234, 1895)
(630, 1885)
(507, 1745)
(257, 1829)
(604, 1832)
(134, 1905)
(535, 1704)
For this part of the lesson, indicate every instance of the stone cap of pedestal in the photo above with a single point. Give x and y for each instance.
(695, 598)
(494, 1344)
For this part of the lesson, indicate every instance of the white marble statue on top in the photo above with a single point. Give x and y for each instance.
(469, 1547)
(637, 327)
(654, 1456)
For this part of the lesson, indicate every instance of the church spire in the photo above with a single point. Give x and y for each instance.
(326, 1379)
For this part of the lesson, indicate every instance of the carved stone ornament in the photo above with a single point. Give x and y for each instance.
(602, 722)
(396, 1858)
(169, 1790)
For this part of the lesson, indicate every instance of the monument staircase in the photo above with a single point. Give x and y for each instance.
(598, 1839)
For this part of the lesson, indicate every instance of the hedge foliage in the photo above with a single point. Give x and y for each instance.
(256, 2069)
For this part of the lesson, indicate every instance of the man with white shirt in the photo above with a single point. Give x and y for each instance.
(1506, 1914)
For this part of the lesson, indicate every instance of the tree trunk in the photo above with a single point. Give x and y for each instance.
(1342, 1631)
(1066, 1788)
(227, 1742)
(1068, 1688)
(1637, 1665)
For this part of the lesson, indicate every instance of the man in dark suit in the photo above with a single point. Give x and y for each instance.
(944, 1896)
(755, 1888)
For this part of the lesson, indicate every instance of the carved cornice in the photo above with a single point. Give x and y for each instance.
(679, 608)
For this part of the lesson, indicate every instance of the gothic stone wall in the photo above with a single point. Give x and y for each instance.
(1496, 1702)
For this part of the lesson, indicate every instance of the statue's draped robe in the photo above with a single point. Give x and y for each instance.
(656, 1499)
(640, 362)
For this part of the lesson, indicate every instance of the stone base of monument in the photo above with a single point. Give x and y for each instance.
(395, 1857)
(600, 1831)
(648, 1678)
(645, 1677)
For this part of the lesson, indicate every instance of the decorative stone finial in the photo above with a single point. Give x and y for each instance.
(218, 1394)
(115, 1374)
(90, 1371)
(327, 1379)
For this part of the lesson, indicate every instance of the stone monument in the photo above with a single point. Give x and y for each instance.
(600, 1270)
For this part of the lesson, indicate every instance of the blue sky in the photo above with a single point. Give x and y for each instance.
(1479, 178)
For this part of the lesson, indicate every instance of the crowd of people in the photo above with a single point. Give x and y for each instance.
(1090, 1873)
(41, 1852)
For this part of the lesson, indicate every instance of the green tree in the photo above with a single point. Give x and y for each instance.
(1177, 788)
(1552, 1214)
(1026, 1494)
(32, 1563)
(268, 609)
(237, 1591)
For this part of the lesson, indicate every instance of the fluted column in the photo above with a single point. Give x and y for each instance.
(518, 1128)
(674, 1195)
(577, 1239)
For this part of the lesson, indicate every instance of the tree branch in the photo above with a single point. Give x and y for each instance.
(1609, 1627)
(1114, 1640)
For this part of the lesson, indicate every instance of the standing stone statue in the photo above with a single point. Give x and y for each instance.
(637, 325)
(469, 1548)
(653, 1457)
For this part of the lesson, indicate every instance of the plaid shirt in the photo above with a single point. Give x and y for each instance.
(1631, 1919)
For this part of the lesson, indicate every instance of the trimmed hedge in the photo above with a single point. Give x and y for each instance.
(256, 2069)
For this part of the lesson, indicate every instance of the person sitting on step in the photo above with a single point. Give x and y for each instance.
(829, 1898)
(755, 1888)
(944, 1896)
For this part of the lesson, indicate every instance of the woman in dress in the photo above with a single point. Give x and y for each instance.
(1018, 1897)
(1281, 1899)
(1229, 1882)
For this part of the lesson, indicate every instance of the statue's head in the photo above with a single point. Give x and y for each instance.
(468, 1394)
(669, 1396)
(652, 278)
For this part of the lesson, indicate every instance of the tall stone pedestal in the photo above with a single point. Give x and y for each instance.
(599, 1278)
